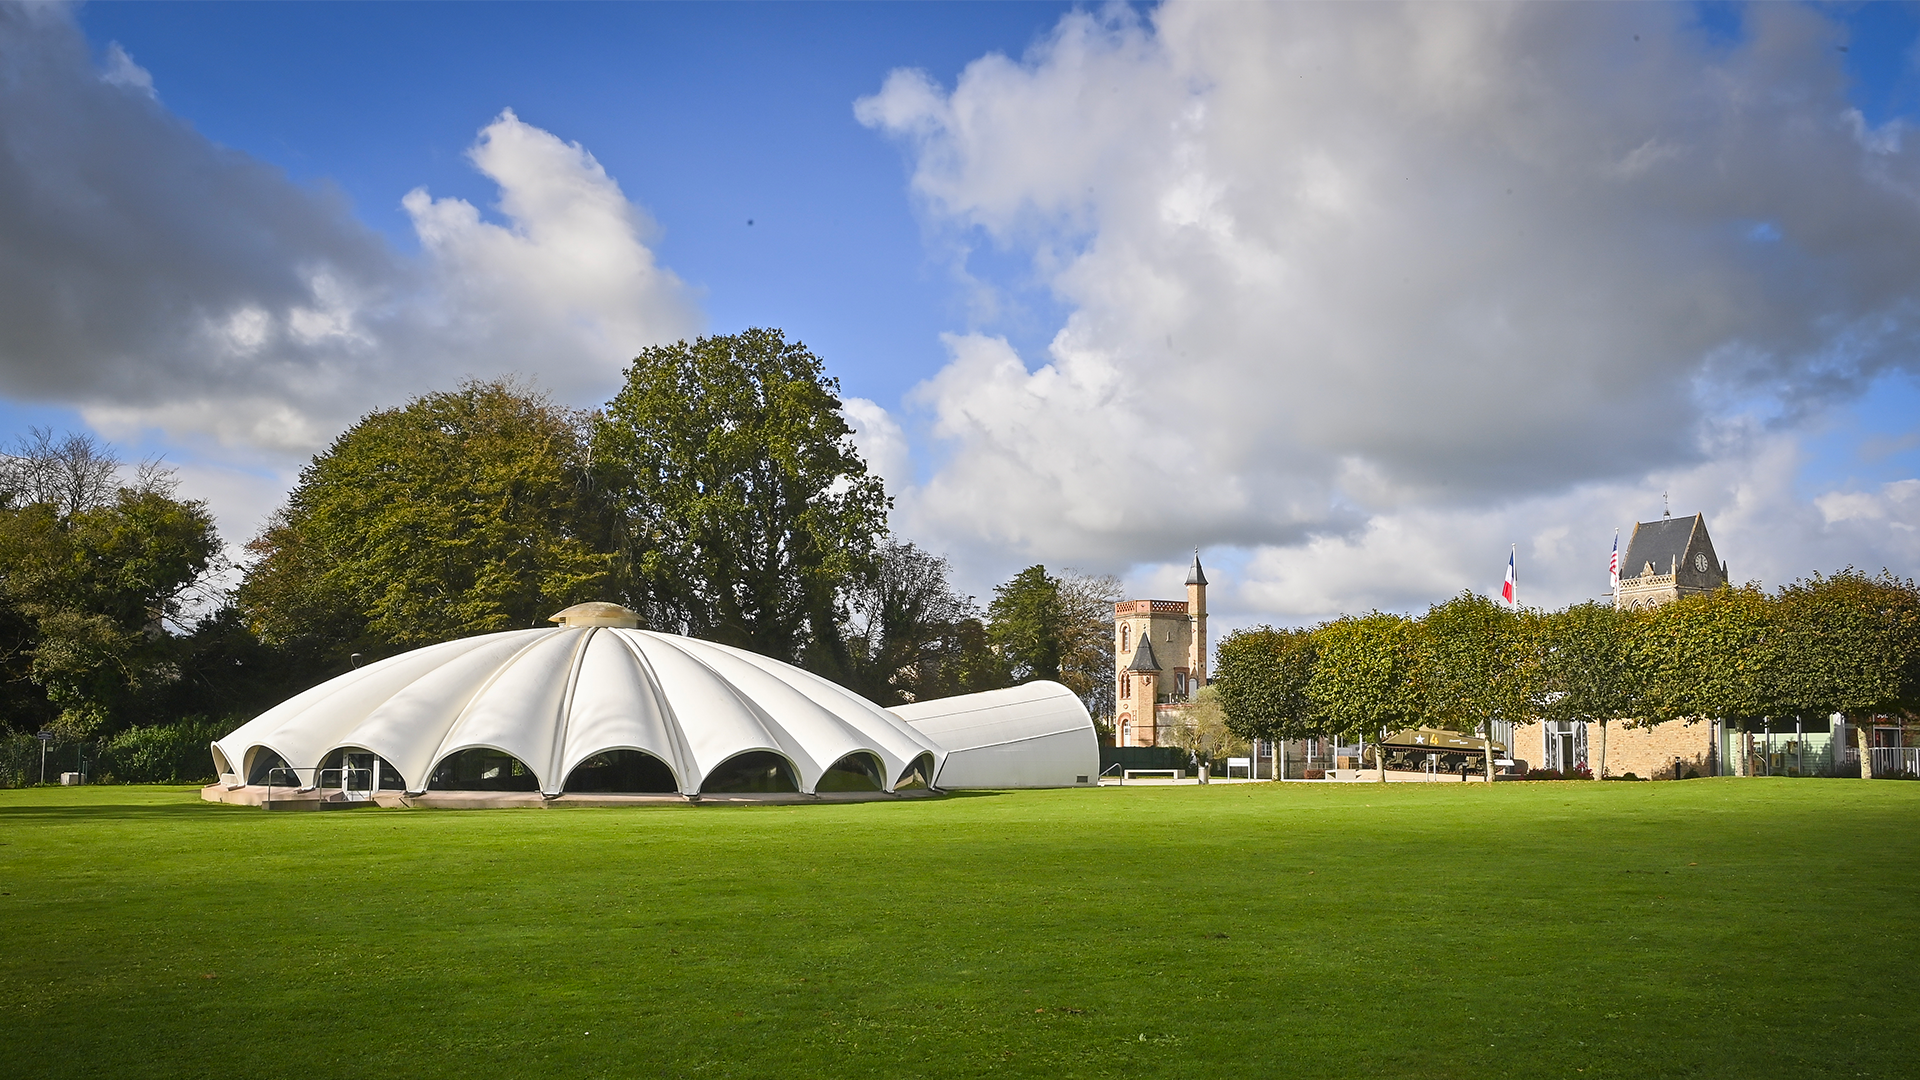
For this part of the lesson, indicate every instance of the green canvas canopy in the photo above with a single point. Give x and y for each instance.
(1436, 739)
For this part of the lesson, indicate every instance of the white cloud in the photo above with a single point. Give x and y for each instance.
(146, 270)
(880, 441)
(1367, 292)
(157, 281)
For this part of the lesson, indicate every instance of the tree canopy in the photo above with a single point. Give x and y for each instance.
(1262, 676)
(745, 514)
(460, 512)
(95, 576)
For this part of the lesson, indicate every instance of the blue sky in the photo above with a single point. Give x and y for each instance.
(709, 115)
(1155, 278)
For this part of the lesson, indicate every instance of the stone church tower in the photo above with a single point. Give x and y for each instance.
(1160, 659)
(1666, 560)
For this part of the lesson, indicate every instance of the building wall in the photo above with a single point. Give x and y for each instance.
(1644, 752)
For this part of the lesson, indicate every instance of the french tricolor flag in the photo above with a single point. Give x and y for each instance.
(1510, 590)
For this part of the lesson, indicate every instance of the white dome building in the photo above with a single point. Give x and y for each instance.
(596, 708)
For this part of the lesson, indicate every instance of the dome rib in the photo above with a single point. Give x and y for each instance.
(310, 724)
(716, 719)
(407, 729)
(510, 713)
(617, 705)
(818, 736)
(557, 752)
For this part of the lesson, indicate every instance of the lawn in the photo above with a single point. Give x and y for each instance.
(1704, 928)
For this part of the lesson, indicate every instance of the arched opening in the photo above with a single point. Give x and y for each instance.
(1126, 636)
(919, 775)
(756, 772)
(622, 772)
(858, 771)
(220, 763)
(482, 769)
(261, 761)
(353, 769)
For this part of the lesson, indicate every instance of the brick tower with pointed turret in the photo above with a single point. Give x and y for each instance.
(1160, 659)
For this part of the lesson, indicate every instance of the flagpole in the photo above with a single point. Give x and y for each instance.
(1513, 560)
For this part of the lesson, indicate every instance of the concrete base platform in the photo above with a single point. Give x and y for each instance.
(280, 798)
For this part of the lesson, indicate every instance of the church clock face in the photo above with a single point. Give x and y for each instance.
(1700, 562)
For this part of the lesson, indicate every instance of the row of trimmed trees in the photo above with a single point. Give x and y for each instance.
(718, 494)
(1846, 644)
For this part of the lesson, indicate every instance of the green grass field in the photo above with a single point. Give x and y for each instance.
(1709, 928)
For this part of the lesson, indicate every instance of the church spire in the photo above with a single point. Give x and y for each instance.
(1196, 576)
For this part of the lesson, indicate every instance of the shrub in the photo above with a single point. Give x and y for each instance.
(1629, 776)
(162, 754)
(1544, 774)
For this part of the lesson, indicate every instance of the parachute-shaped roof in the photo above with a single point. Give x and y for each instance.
(555, 700)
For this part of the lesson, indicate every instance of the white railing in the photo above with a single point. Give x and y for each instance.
(1896, 761)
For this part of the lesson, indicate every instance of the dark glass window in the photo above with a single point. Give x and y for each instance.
(264, 761)
(858, 771)
(359, 770)
(623, 772)
(754, 772)
(918, 775)
(481, 769)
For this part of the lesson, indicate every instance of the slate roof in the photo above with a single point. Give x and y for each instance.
(1143, 658)
(1196, 576)
(1662, 543)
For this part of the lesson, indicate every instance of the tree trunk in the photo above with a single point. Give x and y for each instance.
(1865, 738)
(1602, 774)
(1489, 754)
(1380, 756)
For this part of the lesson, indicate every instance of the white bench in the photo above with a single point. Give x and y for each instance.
(1171, 774)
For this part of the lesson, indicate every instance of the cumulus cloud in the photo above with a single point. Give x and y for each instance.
(1367, 291)
(157, 280)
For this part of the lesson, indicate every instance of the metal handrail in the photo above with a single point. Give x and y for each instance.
(345, 774)
(295, 784)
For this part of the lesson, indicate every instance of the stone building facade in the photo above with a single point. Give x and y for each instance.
(1160, 659)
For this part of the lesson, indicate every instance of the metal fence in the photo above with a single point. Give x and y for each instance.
(1896, 762)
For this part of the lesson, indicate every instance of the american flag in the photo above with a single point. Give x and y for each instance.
(1613, 564)
(1510, 589)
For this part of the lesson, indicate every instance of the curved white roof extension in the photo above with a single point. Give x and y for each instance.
(1034, 735)
(592, 698)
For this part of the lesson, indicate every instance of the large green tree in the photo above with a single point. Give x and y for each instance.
(1848, 644)
(1262, 675)
(1479, 662)
(95, 578)
(1027, 621)
(1367, 679)
(909, 637)
(1587, 667)
(1707, 655)
(746, 515)
(462, 512)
